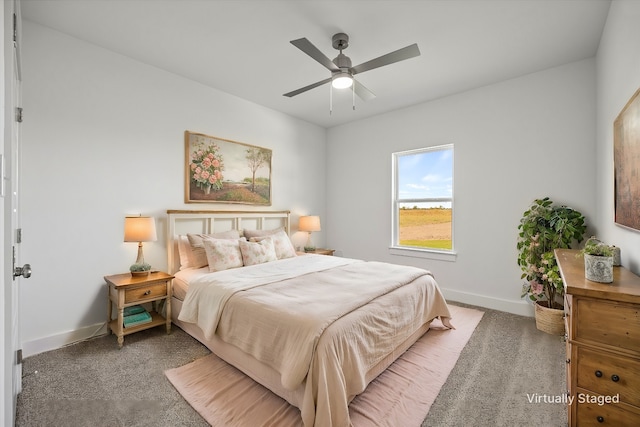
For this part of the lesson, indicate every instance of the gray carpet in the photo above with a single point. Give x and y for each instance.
(92, 383)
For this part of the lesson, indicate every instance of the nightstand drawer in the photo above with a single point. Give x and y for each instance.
(145, 293)
(609, 375)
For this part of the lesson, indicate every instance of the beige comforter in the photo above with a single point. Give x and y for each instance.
(294, 315)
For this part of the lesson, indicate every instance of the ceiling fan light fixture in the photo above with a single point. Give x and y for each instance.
(342, 80)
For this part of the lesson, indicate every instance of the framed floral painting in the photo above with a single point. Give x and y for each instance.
(222, 171)
(626, 159)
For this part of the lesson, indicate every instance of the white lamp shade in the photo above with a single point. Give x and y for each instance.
(309, 223)
(140, 229)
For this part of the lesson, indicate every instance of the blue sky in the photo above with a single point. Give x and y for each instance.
(426, 175)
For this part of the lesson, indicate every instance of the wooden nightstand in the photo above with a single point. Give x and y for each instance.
(125, 290)
(319, 251)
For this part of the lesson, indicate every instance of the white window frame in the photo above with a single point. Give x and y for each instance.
(395, 248)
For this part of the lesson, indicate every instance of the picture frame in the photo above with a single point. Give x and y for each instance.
(219, 170)
(626, 159)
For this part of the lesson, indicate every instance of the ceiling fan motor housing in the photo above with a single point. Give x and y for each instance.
(342, 61)
(340, 41)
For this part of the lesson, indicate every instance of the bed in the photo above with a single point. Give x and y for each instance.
(314, 329)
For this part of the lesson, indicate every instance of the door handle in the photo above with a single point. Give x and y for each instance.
(24, 271)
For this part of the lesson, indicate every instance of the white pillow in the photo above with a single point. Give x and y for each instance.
(281, 242)
(198, 255)
(184, 250)
(257, 252)
(223, 254)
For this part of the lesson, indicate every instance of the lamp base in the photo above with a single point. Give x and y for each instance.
(140, 273)
(140, 258)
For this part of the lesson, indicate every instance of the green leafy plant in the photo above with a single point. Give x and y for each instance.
(140, 267)
(543, 228)
(596, 247)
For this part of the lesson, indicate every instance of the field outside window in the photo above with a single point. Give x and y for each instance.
(423, 198)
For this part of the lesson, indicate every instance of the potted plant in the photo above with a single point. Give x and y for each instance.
(598, 261)
(543, 228)
(140, 269)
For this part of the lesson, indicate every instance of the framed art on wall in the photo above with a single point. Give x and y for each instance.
(626, 158)
(222, 171)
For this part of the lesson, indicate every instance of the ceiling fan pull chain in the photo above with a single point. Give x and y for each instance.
(330, 99)
(353, 94)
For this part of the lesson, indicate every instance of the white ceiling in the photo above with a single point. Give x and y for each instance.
(242, 46)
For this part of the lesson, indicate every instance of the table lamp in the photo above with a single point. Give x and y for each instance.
(309, 224)
(140, 229)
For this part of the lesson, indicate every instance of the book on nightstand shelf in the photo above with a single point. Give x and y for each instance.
(134, 309)
(136, 318)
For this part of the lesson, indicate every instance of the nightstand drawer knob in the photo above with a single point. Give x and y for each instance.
(148, 292)
(615, 378)
(599, 374)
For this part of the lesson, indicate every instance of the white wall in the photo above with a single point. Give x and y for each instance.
(514, 141)
(618, 78)
(103, 138)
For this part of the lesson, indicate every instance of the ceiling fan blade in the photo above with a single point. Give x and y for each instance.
(306, 88)
(396, 56)
(307, 47)
(364, 93)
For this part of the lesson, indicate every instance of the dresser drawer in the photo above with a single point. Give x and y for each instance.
(607, 322)
(145, 292)
(608, 374)
(610, 414)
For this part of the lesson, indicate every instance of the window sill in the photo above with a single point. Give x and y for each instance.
(423, 253)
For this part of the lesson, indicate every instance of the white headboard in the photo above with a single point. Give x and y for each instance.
(181, 222)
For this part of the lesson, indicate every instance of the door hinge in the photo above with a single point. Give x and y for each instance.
(19, 114)
(19, 357)
(15, 27)
(18, 235)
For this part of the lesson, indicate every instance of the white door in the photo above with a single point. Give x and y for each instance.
(12, 367)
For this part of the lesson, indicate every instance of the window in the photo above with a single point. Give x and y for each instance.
(423, 199)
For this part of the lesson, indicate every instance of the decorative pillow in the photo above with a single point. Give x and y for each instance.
(198, 255)
(281, 242)
(223, 254)
(184, 250)
(257, 252)
(249, 234)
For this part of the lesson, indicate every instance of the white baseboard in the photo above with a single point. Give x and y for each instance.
(522, 308)
(30, 348)
(40, 345)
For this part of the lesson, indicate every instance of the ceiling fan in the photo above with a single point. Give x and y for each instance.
(341, 70)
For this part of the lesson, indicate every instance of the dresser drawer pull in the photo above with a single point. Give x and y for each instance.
(598, 374)
(148, 292)
(615, 378)
(568, 361)
(600, 419)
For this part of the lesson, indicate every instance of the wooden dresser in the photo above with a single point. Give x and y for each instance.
(602, 324)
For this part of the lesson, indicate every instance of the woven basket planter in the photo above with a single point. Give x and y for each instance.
(549, 320)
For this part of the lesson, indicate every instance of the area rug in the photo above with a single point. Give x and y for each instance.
(400, 396)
